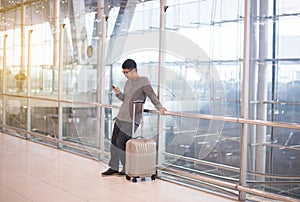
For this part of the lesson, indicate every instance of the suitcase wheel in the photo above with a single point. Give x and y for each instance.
(153, 177)
(134, 180)
(127, 177)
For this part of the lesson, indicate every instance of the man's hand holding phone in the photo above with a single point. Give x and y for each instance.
(115, 89)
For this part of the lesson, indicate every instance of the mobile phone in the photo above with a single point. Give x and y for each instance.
(113, 87)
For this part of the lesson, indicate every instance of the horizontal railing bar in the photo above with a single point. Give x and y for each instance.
(288, 147)
(229, 168)
(180, 114)
(169, 176)
(237, 120)
(231, 185)
(202, 162)
(206, 172)
(201, 178)
(274, 182)
(266, 194)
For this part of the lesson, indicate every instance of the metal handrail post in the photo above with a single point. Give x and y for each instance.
(245, 101)
(28, 81)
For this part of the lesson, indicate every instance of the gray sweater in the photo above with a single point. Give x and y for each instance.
(138, 89)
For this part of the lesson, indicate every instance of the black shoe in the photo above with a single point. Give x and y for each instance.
(122, 173)
(109, 172)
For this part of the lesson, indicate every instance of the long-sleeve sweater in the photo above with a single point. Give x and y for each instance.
(138, 89)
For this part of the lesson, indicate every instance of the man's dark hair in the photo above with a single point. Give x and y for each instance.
(129, 64)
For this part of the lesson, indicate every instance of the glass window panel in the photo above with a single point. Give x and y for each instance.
(41, 78)
(288, 7)
(233, 91)
(184, 139)
(111, 20)
(81, 126)
(44, 76)
(226, 42)
(146, 16)
(16, 80)
(79, 83)
(16, 115)
(289, 107)
(80, 75)
(198, 13)
(286, 92)
(42, 44)
(226, 11)
(44, 118)
(282, 159)
(286, 37)
(285, 152)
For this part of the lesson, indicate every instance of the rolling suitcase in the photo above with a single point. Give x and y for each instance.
(140, 154)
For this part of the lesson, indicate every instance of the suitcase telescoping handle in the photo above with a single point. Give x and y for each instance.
(133, 116)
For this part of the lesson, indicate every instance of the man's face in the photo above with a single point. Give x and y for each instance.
(128, 73)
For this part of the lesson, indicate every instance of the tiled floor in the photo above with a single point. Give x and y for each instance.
(33, 172)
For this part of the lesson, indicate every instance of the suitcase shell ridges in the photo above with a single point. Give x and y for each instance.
(140, 157)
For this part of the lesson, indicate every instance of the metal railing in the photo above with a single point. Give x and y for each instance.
(204, 176)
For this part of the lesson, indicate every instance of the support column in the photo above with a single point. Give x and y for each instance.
(262, 90)
(162, 41)
(4, 80)
(245, 101)
(28, 85)
(60, 73)
(56, 41)
(22, 62)
(101, 24)
(253, 83)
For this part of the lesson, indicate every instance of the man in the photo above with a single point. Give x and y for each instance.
(136, 88)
